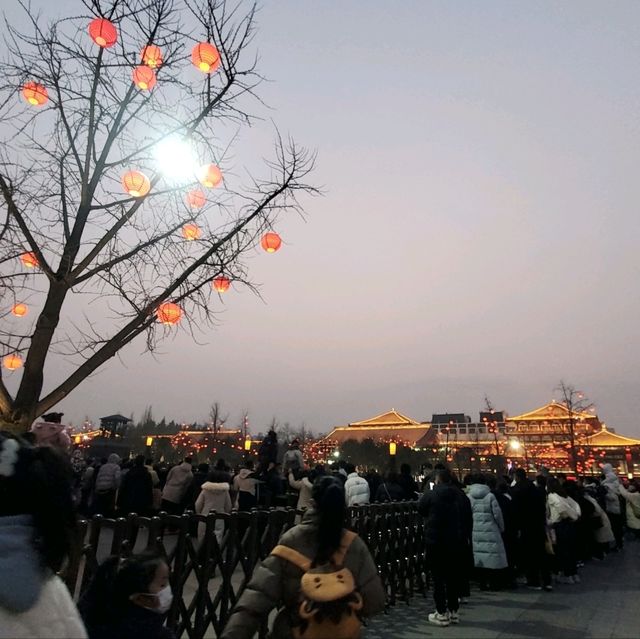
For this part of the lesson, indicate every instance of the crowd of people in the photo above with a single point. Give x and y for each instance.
(498, 531)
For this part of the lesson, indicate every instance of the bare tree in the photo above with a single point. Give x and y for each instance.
(576, 403)
(216, 419)
(106, 260)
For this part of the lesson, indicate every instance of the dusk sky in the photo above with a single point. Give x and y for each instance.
(478, 234)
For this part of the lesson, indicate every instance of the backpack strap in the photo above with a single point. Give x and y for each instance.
(341, 553)
(292, 556)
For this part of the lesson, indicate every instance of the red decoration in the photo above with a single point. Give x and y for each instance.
(191, 232)
(12, 362)
(151, 56)
(144, 77)
(205, 57)
(103, 32)
(210, 176)
(29, 260)
(35, 94)
(221, 283)
(169, 313)
(196, 199)
(136, 184)
(271, 242)
(20, 309)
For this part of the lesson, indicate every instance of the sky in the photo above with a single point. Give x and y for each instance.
(478, 231)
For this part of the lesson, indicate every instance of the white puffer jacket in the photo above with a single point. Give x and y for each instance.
(633, 507)
(214, 496)
(356, 490)
(562, 508)
(178, 481)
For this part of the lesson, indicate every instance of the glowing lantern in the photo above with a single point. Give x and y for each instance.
(149, 442)
(35, 94)
(271, 242)
(221, 283)
(247, 445)
(29, 260)
(77, 439)
(205, 57)
(392, 449)
(12, 362)
(20, 309)
(191, 232)
(169, 313)
(144, 78)
(210, 176)
(196, 199)
(151, 56)
(103, 32)
(136, 184)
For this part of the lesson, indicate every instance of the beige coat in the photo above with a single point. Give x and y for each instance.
(276, 583)
(305, 488)
(633, 507)
(604, 534)
(214, 496)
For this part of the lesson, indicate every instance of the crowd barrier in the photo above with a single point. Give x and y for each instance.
(208, 574)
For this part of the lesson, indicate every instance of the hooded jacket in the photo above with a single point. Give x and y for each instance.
(488, 525)
(177, 484)
(603, 534)
(356, 490)
(611, 484)
(561, 508)
(108, 477)
(305, 488)
(276, 583)
(33, 603)
(213, 496)
(633, 507)
(448, 519)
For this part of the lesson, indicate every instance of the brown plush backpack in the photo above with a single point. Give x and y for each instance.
(329, 601)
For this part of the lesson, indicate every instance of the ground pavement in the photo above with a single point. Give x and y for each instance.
(605, 605)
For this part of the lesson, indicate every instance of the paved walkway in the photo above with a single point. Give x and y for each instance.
(605, 605)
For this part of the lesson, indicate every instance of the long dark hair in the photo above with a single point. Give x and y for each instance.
(328, 495)
(39, 485)
(554, 486)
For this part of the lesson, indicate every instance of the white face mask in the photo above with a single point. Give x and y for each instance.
(165, 599)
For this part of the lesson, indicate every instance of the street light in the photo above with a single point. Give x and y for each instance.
(336, 454)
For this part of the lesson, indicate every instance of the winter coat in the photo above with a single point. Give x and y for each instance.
(356, 490)
(268, 452)
(447, 513)
(51, 434)
(214, 496)
(136, 492)
(529, 509)
(244, 486)
(409, 486)
(108, 477)
(633, 508)
(612, 485)
(293, 460)
(305, 487)
(562, 508)
(603, 534)
(276, 583)
(389, 491)
(178, 481)
(488, 525)
(134, 622)
(33, 603)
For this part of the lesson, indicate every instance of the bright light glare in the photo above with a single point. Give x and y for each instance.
(176, 160)
(515, 444)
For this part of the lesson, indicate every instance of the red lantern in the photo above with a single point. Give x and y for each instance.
(35, 94)
(29, 260)
(205, 57)
(103, 32)
(20, 309)
(196, 199)
(144, 77)
(191, 232)
(271, 242)
(151, 56)
(169, 313)
(221, 283)
(136, 184)
(12, 362)
(210, 176)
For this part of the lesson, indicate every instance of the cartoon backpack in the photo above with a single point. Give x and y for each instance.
(330, 604)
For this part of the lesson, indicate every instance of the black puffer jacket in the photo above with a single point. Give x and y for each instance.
(448, 519)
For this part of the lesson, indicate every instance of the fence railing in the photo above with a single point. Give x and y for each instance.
(212, 557)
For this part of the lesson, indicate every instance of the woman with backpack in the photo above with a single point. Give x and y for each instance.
(321, 578)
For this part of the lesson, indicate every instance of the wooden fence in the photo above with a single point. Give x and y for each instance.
(209, 574)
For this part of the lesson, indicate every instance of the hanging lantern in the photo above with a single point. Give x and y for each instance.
(136, 184)
(271, 242)
(151, 56)
(205, 57)
(35, 94)
(29, 260)
(196, 199)
(20, 309)
(191, 232)
(169, 313)
(221, 283)
(103, 32)
(12, 362)
(210, 176)
(144, 77)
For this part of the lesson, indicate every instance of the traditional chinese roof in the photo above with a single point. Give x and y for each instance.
(392, 418)
(605, 438)
(550, 411)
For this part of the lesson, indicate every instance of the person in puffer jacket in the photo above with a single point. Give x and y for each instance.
(214, 496)
(632, 500)
(564, 512)
(356, 488)
(175, 489)
(37, 530)
(106, 486)
(245, 485)
(611, 484)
